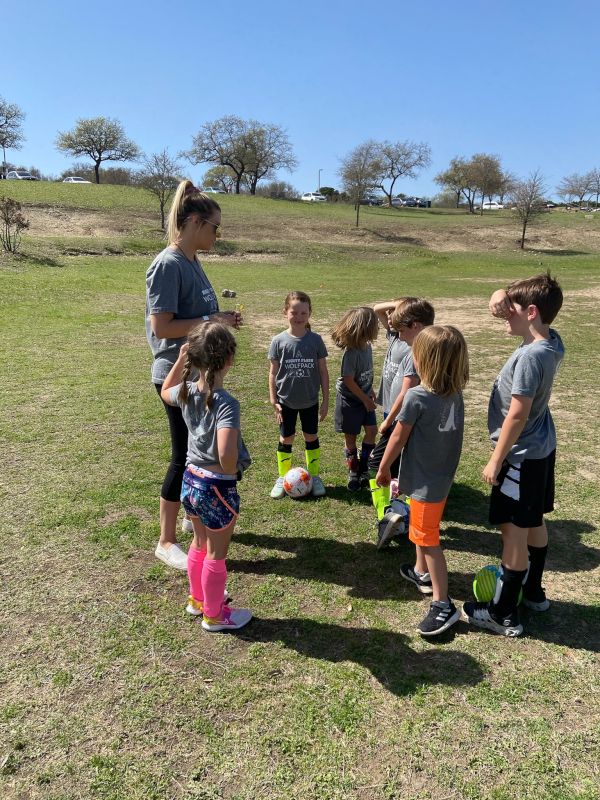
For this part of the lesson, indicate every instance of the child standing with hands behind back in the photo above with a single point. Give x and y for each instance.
(298, 371)
(429, 434)
(355, 401)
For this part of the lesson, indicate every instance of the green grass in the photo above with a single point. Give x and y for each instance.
(109, 691)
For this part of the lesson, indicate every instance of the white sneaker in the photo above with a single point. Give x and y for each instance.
(172, 556)
(196, 607)
(318, 487)
(186, 525)
(277, 492)
(231, 620)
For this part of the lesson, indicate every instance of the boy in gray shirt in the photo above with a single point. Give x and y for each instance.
(521, 469)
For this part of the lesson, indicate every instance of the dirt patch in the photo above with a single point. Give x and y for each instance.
(60, 222)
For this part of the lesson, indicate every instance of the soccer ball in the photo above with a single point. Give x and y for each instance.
(297, 482)
(484, 584)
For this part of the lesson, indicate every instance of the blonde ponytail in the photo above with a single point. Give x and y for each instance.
(188, 200)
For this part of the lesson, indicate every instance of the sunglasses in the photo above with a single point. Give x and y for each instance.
(216, 226)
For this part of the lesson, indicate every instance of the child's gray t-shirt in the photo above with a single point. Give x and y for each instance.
(359, 365)
(203, 424)
(178, 286)
(432, 452)
(298, 380)
(406, 369)
(529, 372)
(394, 360)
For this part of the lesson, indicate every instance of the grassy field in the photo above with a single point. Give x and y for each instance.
(110, 691)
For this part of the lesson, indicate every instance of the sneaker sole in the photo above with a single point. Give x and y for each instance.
(388, 534)
(448, 624)
(490, 625)
(223, 628)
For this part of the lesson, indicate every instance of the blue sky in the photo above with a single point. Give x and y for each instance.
(518, 79)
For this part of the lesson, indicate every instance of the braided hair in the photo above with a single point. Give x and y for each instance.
(210, 346)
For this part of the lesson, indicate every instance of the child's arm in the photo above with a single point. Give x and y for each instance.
(174, 376)
(227, 445)
(408, 382)
(500, 304)
(512, 427)
(274, 369)
(382, 309)
(367, 400)
(394, 447)
(324, 376)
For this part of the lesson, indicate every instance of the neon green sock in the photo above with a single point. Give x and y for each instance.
(313, 460)
(284, 462)
(381, 497)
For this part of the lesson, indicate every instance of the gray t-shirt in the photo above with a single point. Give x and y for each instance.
(431, 455)
(298, 380)
(203, 424)
(406, 369)
(529, 372)
(359, 365)
(395, 358)
(178, 286)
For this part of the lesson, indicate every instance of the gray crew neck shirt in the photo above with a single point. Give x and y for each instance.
(203, 424)
(529, 372)
(176, 285)
(432, 452)
(394, 363)
(298, 380)
(359, 365)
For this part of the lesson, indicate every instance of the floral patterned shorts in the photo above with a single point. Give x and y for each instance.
(216, 502)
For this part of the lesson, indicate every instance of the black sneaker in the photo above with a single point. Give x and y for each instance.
(388, 527)
(535, 599)
(364, 480)
(422, 582)
(353, 482)
(480, 614)
(441, 616)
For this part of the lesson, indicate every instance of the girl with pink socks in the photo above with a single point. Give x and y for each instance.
(216, 459)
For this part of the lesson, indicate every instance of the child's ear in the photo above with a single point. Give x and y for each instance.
(533, 312)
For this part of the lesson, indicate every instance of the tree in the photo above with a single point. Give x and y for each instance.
(574, 185)
(400, 160)
(159, 176)
(278, 190)
(528, 201)
(220, 178)
(508, 183)
(251, 149)
(11, 131)
(330, 193)
(594, 183)
(101, 139)
(12, 223)
(359, 172)
(486, 175)
(459, 179)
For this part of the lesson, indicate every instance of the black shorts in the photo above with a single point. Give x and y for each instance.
(379, 450)
(351, 415)
(309, 420)
(525, 492)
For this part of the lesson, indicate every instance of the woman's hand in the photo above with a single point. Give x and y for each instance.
(232, 318)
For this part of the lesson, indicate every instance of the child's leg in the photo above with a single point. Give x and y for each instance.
(309, 419)
(514, 570)
(438, 571)
(537, 544)
(284, 454)
(351, 454)
(196, 556)
(214, 570)
(380, 495)
(368, 443)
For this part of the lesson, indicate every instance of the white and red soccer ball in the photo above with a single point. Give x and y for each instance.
(297, 483)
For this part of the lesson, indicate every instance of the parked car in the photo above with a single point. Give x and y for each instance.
(313, 197)
(370, 200)
(415, 202)
(213, 190)
(75, 179)
(491, 205)
(20, 175)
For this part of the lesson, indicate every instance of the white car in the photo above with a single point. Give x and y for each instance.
(213, 190)
(74, 179)
(491, 205)
(313, 197)
(20, 175)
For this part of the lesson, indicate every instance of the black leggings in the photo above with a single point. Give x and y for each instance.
(171, 488)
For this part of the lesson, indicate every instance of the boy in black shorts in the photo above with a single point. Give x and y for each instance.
(521, 469)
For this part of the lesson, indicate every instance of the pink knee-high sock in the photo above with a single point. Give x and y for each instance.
(194, 568)
(214, 578)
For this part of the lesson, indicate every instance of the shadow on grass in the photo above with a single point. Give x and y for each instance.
(386, 654)
(413, 241)
(559, 252)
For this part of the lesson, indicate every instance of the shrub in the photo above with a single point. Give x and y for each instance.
(12, 224)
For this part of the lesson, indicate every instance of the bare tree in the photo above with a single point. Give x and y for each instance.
(12, 223)
(101, 139)
(11, 130)
(159, 176)
(251, 149)
(594, 183)
(400, 160)
(528, 201)
(359, 172)
(508, 182)
(574, 185)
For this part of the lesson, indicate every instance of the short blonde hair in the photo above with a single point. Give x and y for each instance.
(356, 329)
(441, 359)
